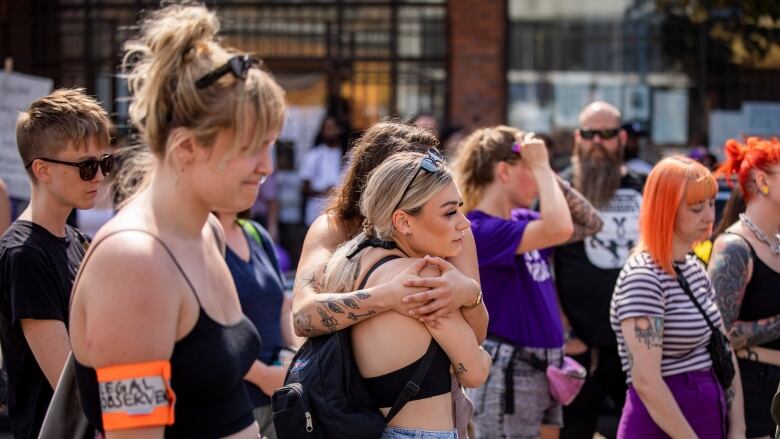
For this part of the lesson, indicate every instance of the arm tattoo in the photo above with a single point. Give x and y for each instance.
(649, 331)
(630, 358)
(728, 270)
(585, 217)
(302, 323)
(461, 369)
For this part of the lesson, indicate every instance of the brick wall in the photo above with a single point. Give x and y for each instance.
(477, 73)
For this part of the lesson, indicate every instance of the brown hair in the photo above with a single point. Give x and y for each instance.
(66, 116)
(477, 155)
(377, 143)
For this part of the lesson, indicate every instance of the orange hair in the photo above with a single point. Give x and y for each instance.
(671, 181)
(741, 158)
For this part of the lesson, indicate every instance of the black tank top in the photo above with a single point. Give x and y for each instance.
(762, 294)
(385, 388)
(207, 375)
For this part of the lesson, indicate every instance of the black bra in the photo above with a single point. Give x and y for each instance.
(207, 375)
(384, 388)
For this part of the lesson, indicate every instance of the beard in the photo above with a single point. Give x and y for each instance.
(597, 173)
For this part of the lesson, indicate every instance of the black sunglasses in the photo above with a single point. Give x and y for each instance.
(238, 65)
(87, 168)
(430, 163)
(605, 134)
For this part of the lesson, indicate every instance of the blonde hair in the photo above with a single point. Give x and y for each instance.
(65, 116)
(476, 158)
(175, 47)
(382, 194)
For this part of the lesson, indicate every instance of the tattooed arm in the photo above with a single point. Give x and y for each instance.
(730, 269)
(317, 313)
(584, 216)
(643, 337)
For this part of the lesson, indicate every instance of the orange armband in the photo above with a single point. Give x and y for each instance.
(136, 395)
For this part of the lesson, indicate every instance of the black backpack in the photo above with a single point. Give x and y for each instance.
(324, 395)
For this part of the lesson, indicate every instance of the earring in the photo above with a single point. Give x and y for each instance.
(765, 190)
(408, 234)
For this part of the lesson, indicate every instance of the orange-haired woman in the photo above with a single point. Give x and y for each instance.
(745, 271)
(662, 336)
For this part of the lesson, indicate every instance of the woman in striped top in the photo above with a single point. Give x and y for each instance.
(662, 337)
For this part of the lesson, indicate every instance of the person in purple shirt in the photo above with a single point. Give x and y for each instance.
(501, 172)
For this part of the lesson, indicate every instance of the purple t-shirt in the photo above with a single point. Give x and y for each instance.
(518, 290)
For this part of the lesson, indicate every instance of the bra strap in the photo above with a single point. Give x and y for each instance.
(94, 245)
(376, 265)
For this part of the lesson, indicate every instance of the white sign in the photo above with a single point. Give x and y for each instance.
(761, 118)
(670, 117)
(17, 92)
(724, 125)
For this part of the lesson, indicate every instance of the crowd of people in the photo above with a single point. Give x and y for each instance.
(548, 296)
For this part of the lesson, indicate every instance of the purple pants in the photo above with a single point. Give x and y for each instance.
(699, 396)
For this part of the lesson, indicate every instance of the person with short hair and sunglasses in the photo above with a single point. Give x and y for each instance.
(62, 139)
(586, 271)
(502, 171)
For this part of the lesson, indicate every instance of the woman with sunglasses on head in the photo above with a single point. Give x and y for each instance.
(664, 313)
(160, 342)
(455, 291)
(501, 172)
(745, 271)
(412, 209)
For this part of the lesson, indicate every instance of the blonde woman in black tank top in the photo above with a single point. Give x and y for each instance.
(155, 306)
(745, 271)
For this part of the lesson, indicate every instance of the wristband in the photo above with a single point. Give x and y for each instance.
(136, 395)
(476, 303)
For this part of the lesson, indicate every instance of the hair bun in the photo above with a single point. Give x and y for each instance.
(179, 28)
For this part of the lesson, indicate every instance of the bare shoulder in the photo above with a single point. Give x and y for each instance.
(129, 296)
(731, 245)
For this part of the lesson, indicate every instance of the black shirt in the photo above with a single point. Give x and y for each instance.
(37, 270)
(586, 271)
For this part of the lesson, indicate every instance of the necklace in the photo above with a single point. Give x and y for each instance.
(775, 248)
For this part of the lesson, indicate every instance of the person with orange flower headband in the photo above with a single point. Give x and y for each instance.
(745, 271)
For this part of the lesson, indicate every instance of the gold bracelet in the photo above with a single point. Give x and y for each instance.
(476, 302)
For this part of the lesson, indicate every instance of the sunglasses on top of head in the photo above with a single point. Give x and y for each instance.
(238, 66)
(605, 134)
(430, 163)
(87, 168)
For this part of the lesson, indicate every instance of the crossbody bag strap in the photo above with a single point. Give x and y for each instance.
(412, 387)
(684, 284)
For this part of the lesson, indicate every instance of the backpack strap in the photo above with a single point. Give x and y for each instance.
(412, 386)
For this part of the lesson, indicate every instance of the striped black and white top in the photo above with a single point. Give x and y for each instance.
(644, 289)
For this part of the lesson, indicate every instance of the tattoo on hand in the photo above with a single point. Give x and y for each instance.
(649, 331)
(461, 369)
